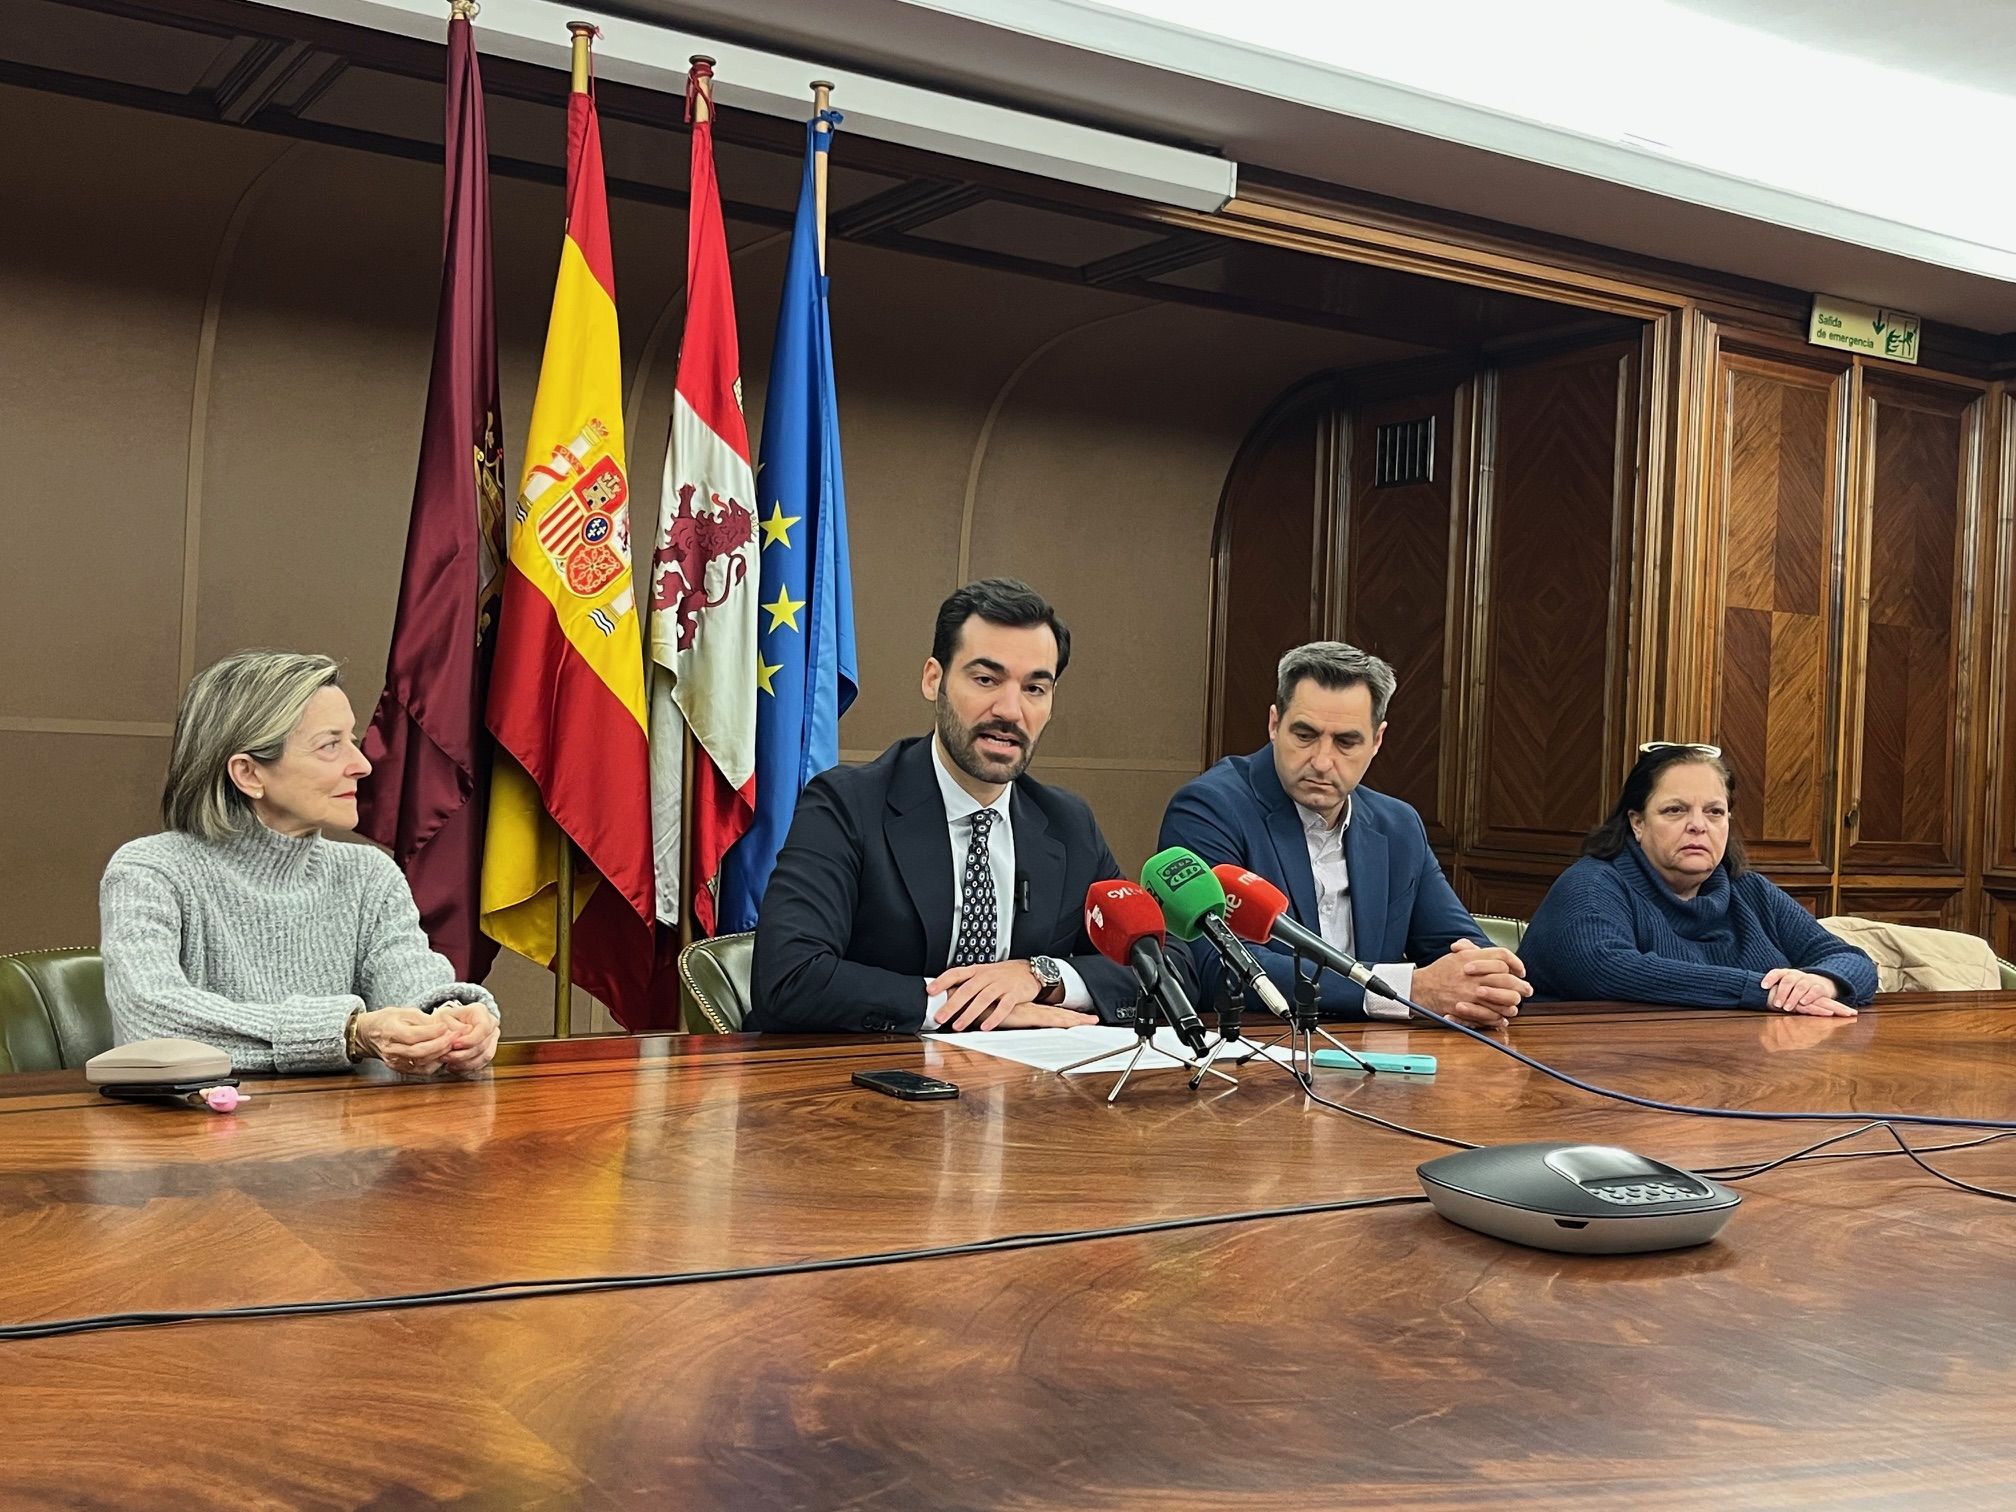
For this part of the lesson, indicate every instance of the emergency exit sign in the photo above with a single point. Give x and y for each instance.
(1864, 328)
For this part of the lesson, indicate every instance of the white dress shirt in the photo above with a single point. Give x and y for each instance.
(960, 807)
(1333, 904)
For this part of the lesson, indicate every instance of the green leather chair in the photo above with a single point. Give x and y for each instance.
(52, 1009)
(1500, 930)
(714, 983)
(2008, 970)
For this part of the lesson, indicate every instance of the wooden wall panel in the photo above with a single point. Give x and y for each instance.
(1998, 599)
(1932, 907)
(1268, 572)
(2000, 924)
(1907, 678)
(1777, 444)
(1397, 598)
(1508, 889)
(1555, 555)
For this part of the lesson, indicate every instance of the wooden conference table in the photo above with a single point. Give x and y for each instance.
(1849, 1341)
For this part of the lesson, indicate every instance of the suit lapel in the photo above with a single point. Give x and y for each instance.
(919, 839)
(1039, 863)
(1284, 828)
(1366, 860)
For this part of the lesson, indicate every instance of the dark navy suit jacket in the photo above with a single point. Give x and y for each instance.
(1402, 907)
(859, 909)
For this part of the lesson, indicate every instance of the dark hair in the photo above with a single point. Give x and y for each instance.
(999, 601)
(1609, 837)
(1336, 666)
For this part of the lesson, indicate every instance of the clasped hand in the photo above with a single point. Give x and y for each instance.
(1478, 985)
(457, 1037)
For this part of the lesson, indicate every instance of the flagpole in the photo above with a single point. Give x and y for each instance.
(700, 91)
(822, 99)
(583, 35)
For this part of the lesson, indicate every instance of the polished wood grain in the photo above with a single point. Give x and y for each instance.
(1846, 1341)
(1398, 599)
(1778, 437)
(2000, 906)
(1910, 718)
(1269, 565)
(1553, 586)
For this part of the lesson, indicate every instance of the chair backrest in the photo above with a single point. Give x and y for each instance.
(2008, 971)
(53, 1015)
(714, 983)
(1500, 930)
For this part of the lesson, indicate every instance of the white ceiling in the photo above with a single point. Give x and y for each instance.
(1844, 146)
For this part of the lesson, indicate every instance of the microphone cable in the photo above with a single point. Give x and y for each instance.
(569, 1286)
(1886, 1122)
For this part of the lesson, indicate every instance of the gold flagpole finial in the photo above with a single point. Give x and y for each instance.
(584, 34)
(463, 10)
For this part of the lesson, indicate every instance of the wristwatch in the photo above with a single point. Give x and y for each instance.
(1049, 973)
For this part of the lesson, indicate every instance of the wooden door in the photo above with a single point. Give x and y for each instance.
(1910, 676)
(1779, 439)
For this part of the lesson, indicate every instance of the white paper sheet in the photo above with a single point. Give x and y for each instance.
(1054, 1049)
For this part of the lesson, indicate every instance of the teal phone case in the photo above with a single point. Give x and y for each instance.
(1411, 1065)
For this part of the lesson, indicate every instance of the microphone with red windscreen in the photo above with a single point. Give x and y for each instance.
(1125, 925)
(1258, 910)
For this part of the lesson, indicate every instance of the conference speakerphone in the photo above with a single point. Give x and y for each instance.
(1584, 1199)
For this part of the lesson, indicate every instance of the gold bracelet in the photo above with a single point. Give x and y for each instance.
(351, 1047)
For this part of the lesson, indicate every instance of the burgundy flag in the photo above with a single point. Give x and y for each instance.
(427, 797)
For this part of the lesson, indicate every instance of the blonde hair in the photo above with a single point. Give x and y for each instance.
(247, 703)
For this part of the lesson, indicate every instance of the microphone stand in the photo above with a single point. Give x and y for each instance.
(1304, 1027)
(1145, 1016)
(1231, 1005)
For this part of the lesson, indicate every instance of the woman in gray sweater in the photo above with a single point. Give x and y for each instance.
(242, 927)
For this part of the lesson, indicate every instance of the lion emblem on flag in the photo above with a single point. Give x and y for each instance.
(692, 544)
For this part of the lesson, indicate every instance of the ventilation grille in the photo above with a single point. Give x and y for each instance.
(1404, 453)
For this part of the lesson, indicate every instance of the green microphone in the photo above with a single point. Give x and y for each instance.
(1193, 903)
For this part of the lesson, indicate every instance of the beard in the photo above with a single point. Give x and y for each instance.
(963, 746)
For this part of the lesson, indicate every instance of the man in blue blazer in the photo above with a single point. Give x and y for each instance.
(1355, 864)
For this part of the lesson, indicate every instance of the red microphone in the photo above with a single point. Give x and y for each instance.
(1258, 910)
(1125, 926)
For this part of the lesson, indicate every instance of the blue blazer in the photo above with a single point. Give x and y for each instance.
(1402, 907)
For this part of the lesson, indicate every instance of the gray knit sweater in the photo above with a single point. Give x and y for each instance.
(263, 946)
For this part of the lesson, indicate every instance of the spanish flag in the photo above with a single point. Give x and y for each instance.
(567, 691)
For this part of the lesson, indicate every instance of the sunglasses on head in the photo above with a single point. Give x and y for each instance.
(1680, 745)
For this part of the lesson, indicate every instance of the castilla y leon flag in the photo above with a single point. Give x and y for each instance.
(567, 693)
(430, 752)
(703, 589)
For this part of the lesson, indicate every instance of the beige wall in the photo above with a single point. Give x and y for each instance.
(216, 350)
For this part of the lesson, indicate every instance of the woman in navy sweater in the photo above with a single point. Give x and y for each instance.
(1662, 908)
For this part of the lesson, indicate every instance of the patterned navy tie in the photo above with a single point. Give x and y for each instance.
(977, 942)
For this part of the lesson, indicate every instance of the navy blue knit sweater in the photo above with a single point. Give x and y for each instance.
(1614, 930)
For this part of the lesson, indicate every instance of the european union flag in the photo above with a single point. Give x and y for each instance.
(806, 672)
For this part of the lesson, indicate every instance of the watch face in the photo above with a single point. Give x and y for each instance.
(1047, 970)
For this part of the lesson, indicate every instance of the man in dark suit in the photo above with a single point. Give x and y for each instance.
(939, 887)
(1355, 864)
